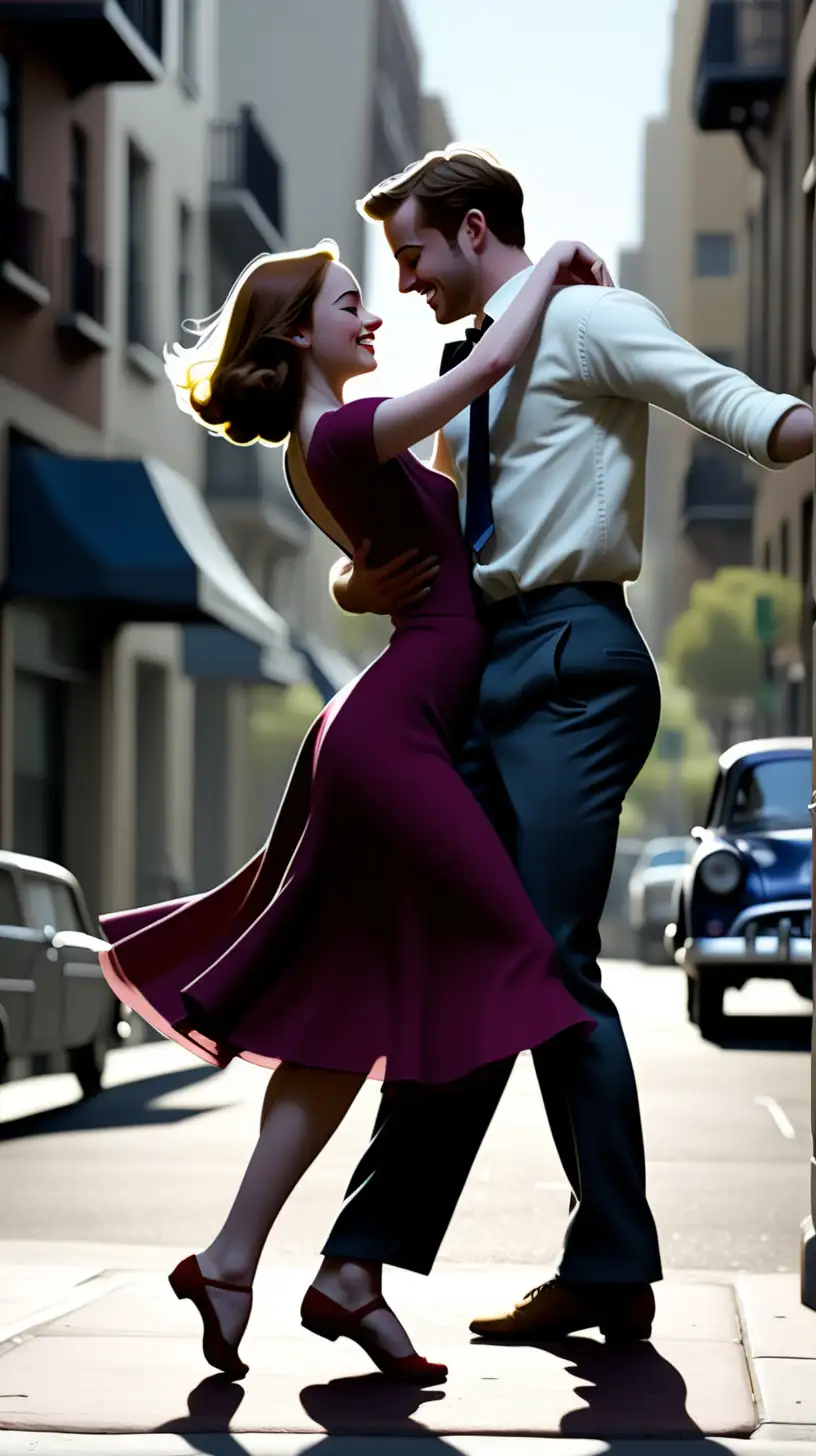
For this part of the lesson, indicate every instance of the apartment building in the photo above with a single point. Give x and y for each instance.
(693, 262)
(336, 89)
(756, 81)
(104, 115)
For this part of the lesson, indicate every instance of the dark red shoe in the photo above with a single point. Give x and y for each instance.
(324, 1317)
(188, 1282)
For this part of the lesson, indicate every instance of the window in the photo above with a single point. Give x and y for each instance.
(185, 276)
(39, 765)
(9, 908)
(79, 189)
(784, 548)
(50, 902)
(8, 123)
(715, 255)
(138, 247)
(188, 46)
(773, 794)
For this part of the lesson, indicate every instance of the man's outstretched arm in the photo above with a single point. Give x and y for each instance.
(627, 349)
(382, 591)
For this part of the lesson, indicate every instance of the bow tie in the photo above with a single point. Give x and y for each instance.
(455, 352)
(479, 509)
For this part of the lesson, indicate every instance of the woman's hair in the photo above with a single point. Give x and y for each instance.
(243, 379)
(450, 184)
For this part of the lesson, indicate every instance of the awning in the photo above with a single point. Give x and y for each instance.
(216, 654)
(328, 669)
(134, 538)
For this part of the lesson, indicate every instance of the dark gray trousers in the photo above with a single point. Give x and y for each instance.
(569, 710)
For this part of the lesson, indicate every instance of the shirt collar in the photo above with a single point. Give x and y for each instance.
(504, 296)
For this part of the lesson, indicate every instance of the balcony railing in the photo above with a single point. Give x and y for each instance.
(24, 239)
(246, 187)
(93, 42)
(743, 64)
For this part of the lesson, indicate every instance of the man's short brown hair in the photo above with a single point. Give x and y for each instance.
(450, 184)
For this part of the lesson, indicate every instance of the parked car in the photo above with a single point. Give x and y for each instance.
(616, 932)
(650, 893)
(53, 997)
(743, 905)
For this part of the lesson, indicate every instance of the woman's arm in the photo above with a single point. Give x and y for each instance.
(403, 422)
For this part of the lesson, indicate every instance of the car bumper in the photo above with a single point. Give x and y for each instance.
(737, 950)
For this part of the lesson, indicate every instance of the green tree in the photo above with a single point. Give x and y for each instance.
(713, 646)
(670, 794)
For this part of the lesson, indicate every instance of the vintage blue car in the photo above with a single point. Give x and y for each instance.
(742, 906)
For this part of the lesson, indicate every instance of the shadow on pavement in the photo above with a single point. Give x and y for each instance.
(629, 1389)
(791, 1033)
(365, 1405)
(129, 1104)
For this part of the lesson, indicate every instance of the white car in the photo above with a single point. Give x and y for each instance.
(53, 997)
(651, 891)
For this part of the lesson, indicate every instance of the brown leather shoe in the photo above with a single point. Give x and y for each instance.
(620, 1311)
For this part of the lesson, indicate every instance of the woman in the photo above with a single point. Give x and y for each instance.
(383, 918)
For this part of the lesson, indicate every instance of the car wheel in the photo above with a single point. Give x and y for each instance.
(87, 1064)
(4, 1059)
(708, 1007)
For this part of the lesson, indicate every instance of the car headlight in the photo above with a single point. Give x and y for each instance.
(721, 872)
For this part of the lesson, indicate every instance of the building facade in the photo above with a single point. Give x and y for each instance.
(109, 552)
(693, 262)
(757, 82)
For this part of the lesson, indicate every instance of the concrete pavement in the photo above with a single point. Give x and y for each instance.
(98, 1359)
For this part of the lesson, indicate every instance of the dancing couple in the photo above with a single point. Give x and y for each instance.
(430, 893)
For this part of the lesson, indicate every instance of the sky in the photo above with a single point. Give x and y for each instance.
(559, 91)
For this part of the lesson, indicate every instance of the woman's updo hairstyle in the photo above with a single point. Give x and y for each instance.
(243, 379)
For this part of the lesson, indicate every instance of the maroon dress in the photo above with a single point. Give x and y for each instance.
(383, 918)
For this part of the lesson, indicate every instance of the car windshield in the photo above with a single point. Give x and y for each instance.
(773, 794)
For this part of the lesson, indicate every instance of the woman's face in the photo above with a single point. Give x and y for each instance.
(341, 338)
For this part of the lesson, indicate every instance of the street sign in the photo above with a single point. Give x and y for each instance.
(671, 745)
(765, 620)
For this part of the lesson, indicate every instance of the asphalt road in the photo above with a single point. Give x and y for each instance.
(155, 1159)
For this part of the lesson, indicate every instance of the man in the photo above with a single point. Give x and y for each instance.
(552, 475)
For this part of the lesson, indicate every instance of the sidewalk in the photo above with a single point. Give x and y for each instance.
(98, 1359)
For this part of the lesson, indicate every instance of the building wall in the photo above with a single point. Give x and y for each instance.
(149, 824)
(30, 354)
(781, 338)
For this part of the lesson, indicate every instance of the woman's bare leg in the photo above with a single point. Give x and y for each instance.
(303, 1106)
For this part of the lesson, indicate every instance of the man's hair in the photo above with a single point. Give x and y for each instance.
(448, 185)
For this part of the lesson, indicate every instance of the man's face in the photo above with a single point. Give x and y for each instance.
(429, 265)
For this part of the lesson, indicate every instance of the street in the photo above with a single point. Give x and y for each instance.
(155, 1159)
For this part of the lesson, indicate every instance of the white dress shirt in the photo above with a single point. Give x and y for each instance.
(568, 433)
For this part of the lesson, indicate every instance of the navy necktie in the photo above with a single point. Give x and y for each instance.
(479, 509)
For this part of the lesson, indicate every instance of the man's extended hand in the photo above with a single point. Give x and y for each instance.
(383, 591)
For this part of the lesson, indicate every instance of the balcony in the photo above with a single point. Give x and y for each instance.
(246, 185)
(93, 42)
(718, 506)
(24, 252)
(82, 322)
(743, 64)
(247, 490)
